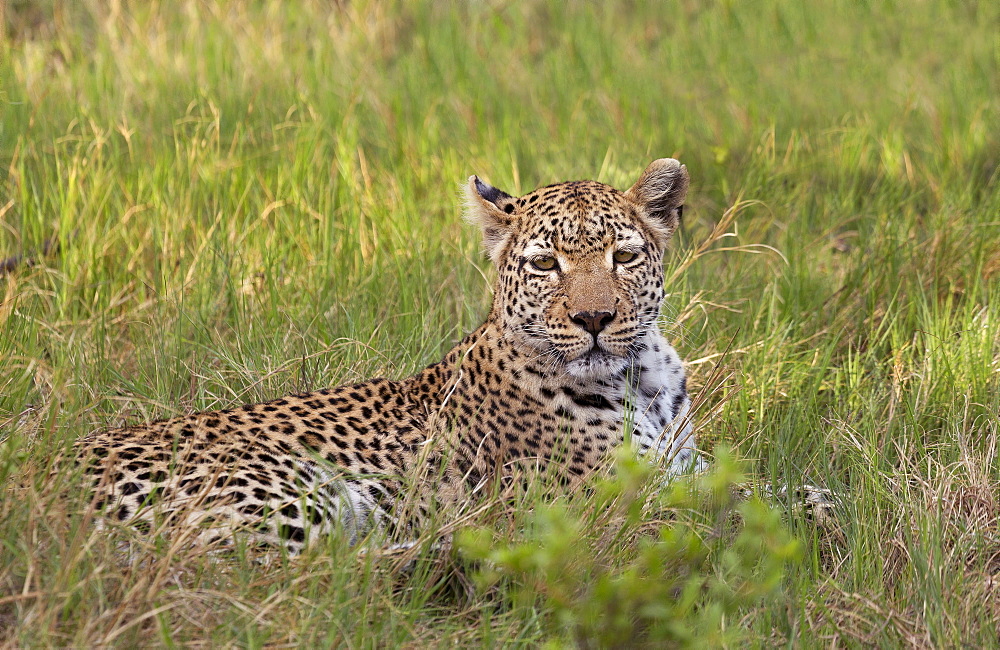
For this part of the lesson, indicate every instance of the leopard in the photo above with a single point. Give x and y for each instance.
(569, 364)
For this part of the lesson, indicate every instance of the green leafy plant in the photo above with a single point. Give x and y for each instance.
(684, 577)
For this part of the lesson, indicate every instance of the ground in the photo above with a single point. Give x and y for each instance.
(223, 204)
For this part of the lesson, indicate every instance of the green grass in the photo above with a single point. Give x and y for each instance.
(251, 199)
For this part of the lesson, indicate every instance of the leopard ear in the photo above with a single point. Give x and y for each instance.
(660, 192)
(490, 209)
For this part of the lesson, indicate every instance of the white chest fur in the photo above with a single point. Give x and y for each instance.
(661, 425)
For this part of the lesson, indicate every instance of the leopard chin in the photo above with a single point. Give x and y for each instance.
(596, 364)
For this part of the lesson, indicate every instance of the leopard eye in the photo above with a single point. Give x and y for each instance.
(545, 263)
(624, 257)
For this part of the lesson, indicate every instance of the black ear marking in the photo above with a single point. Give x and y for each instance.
(680, 212)
(491, 209)
(490, 193)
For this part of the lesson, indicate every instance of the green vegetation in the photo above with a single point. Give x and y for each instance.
(224, 202)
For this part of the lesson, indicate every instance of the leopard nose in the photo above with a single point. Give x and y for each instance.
(592, 321)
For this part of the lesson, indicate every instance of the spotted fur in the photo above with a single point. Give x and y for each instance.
(569, 359)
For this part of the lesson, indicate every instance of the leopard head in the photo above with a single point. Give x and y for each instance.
(580, 265)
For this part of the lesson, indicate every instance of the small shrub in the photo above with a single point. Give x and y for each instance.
(624, 564)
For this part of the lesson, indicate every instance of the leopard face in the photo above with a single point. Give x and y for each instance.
(580, 275)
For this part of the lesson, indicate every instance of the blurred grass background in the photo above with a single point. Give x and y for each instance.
(250, 198)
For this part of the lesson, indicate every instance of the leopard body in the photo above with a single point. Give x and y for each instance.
(569, 361)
